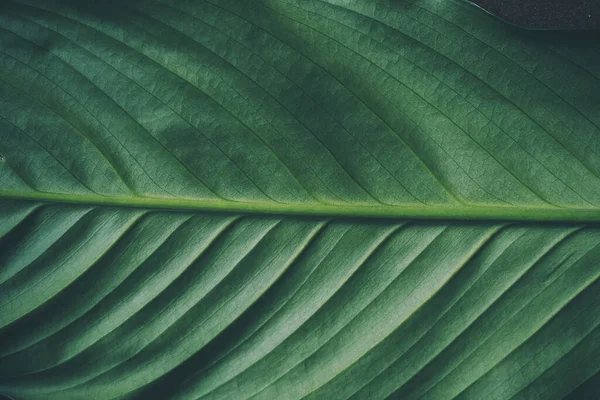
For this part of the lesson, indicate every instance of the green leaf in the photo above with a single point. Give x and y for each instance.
(285, 199)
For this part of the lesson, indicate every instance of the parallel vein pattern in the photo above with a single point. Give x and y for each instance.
(295, 102)
(176, 305)
(190, 194)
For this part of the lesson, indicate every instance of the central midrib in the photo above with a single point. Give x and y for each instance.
(459, 213)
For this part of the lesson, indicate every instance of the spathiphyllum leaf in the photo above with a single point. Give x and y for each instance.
(286, 199)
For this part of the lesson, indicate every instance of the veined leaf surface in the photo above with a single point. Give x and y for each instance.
(285, 199)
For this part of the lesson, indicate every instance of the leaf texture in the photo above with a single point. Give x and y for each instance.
(285, 199)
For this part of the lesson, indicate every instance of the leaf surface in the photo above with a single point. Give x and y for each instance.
(318, 199)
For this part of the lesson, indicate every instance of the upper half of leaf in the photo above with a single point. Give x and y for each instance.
(355, 102)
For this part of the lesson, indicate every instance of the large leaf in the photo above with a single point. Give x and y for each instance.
(278, 199)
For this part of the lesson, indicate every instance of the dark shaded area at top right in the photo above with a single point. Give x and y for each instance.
(547, 14)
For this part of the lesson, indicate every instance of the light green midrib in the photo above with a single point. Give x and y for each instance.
(458, 213)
